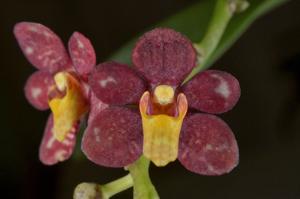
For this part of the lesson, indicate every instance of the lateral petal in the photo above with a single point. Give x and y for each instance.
(37, 88)
(114, 137)
(212, 91)
(96, 106)
(82, 54)
(207, 145)
(116, 84)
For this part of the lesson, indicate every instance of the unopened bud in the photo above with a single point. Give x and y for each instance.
(88, 191)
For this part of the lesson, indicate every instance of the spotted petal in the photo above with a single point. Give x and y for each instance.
(37, 88)
(42, 47)
(114, 138)
(207, 145)
(212, 91)
(117, 84)
(82, 53)
(52, 151)
(164, 56)
(96, 106)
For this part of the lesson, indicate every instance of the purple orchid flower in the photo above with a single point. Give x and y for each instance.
(170, 124)
(60, 83)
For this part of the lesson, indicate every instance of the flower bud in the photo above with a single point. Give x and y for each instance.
(88, 191)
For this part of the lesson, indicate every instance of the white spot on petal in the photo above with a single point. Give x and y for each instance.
(60, 155)
(80, 44)
(28, 50)
(96, 133)
(45, 58)
(54, 61)
(35, 92)
(208, 147)
(223, 147)
(50, 142)
(47, 34)
(222, 88)
(104, 82)
(32, 28)
(210, 168)
(71, 135)
(67, 142)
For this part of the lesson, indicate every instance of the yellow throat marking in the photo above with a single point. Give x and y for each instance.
(67, 110)
(161, 132)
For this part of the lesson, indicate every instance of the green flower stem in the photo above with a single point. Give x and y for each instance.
(223, 12)
(116, 186)
(143, 187)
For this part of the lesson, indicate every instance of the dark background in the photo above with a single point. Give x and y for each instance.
(266, 121)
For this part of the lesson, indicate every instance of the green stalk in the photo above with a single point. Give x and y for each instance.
(143, 187)
(116, 186)
(237, 27)
(223, 12)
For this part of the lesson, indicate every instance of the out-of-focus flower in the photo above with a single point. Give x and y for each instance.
(169, 125)
(59, 84)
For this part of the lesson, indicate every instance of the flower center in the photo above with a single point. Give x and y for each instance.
(164, 94)
(161, 131)
(67, 104)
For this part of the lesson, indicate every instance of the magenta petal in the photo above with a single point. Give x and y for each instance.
(82, 53)
(37, 88)
(212, 91)
(42, 47)
(164, 56)
(114, 138)
(207, 145)
(96, 106)
(117, 84)
(53, 151)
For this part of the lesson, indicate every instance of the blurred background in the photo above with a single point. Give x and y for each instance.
(266, 121)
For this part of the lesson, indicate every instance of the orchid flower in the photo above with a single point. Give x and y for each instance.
(150, 113)
(59, 84)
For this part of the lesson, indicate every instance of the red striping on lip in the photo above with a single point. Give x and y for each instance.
(52, 151)
(207, 145)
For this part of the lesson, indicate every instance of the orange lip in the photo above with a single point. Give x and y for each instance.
(161, 132)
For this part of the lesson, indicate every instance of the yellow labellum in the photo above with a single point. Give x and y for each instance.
(161, 132)
(68, 109)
